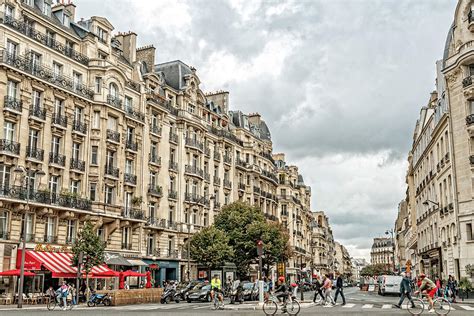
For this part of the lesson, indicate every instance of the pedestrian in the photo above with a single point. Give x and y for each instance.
(405, 291)
(327, 285)
(452, 288)
(63, 292)
(339, 289)
(270, 284)
(73, 293)
(438, 286)
(317, 289)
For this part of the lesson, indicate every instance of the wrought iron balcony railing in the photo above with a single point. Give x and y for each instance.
(173, 165)
(155, 129)
(194, 170)
(129, 111)
(38, 112)
(130, 178)
(173, 194)
(112, 171)
(80, 127)
(35, 153)
(77, 164)
(132, 213)
(217, 180)
(57, 159)
(50, 239)
(174, 138)
(155, 190)
(59, 119)
(9, 146)
(154, 158)
(130, 144)
(12, 103)
(227, 184)
(115, 101)
(113, 136)
(190, 142)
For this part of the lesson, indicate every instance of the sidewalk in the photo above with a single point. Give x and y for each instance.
(258, 306)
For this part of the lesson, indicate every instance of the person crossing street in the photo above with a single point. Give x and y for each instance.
(339, 289)
(405, 291)
(318, 290)
(327, 286)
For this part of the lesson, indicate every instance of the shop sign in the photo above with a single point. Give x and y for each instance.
(49, 248)
(153, 266)
(281, 269)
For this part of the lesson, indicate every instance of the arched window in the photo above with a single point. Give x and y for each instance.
(113, 90)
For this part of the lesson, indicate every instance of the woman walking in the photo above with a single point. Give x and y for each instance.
(327, 285)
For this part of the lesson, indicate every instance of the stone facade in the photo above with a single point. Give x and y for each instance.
(382, 252)
(323, 245)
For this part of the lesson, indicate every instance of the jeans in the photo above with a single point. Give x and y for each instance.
(320, 292)
(402, 298)
(340, 291)
(327, 294)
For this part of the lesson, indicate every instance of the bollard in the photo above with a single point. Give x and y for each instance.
(260, 292)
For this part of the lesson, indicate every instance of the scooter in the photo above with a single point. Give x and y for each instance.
(97, 299)
(181, 292)
(236, 293)
(168, 295)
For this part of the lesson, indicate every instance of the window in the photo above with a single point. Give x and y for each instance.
(109, 194)
(76, 150)
(226, 199)
(154, 150)
(96, 120)
(57, 70)
(75, 186)
(54, 184)
(58, 107)
(93, 191)
(101, 55)
(35, 61)
(130, 133)
(126, 237)
(101, 34)
(9, 131)
(9, 11)
(153, 179)
(36, 99)
(110, 158)
(152, 210)
(195, 217)
(12, 49)
(150, 248)
(154, 120)
(33, 140)
(12, 89)
(69, 48)
(94, 153)
(78, 113)
(171, 215)
(46, 8)
(98, 84)
(101, 233)
(129, 166)
(113, 90)
(71, 231)
(77, 80)
(50, 229)
(469, 235)
(112, 123)
(5, 173)
(28, 2)
(4, 224)
(49, 38)
(128, 104)
(27, 223)
(66, 20)
(55, 145)
(170, 244)
(206, 220)
(191, 108)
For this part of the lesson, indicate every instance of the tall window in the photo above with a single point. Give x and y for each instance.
(5, 174)
(130, 134)
(71, 231)
(50, 38)
(46, 8)
(27, 223)
(35, 60)
(57, 70)
(109, 194)
(76, 151)
(77, 80)
(150, 248)
(93, 191)
(152, 210)
(129, 166)
(94, 155)
(110, 158)
(58, 107)
(50, 228)
(4, 224)
(96, 120)
(55, 145)
(33, 140)
(126, 237)
(98, 84)
(112, 123)
(9, 11)
(12, 89)
(128, 104)
(101, 35)
(78, 114)
(54, 184)
(153, 179)
(36, 99)
(12, 49)
(113, 90)
(171, 215)
(9, 131)
(154, 120)
(75, 186)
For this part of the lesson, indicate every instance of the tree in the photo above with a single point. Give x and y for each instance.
(91, 247)
(244, 225)
(375, 269)
(210, 247)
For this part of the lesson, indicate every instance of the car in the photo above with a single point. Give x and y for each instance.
(255, 291)
(248, 290)
(201, 292)
(389, 284)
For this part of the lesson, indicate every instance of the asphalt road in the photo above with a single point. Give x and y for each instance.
(358, 303)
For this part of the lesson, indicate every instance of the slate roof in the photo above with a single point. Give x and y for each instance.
(174, 73)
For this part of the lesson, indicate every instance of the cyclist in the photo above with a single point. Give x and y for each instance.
(216, 287)
(428, 287)
(282, 290)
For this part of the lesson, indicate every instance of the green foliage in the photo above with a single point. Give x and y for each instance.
(210, 247)
(465, 285)
(375, 269)
(90, 245)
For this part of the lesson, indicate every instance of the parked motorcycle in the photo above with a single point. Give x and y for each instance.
(97, 299)
(182, 291)
(236, 293)
(168, 294)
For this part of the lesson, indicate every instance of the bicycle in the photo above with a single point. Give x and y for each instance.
(441, 305)
(217, 303)
(53, 303)
(270, 306)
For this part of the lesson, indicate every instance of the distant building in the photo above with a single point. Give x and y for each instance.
(357, 265)
(382, 251)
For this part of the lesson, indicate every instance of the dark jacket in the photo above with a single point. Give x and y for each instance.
(282, 288)
(339, 282)
(405, 285)
(317, 284)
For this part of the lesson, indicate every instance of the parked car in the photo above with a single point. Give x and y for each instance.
(248, 290)
(389, 284)
(200, 292)
(255, 290)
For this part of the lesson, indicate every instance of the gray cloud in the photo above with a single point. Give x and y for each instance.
(340, 84)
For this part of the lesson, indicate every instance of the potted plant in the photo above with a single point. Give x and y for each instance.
(465, 286)
(137, 200)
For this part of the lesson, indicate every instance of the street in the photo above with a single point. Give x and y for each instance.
(358, 303)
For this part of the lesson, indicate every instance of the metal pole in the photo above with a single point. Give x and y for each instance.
(301, 278)
(393, 251)
(189, 253)
(22, 266)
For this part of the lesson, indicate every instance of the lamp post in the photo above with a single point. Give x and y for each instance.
(189, 252)
(390, 231)
(21, 170)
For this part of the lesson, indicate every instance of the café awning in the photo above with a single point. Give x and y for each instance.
(136, 262)
(16, 272)
(60, 264)
(112, 258)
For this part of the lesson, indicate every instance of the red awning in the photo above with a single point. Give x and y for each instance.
(60, 264)
(16, 273)
(130, 273)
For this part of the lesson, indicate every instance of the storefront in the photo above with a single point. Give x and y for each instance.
(431, 263)
(163, 271)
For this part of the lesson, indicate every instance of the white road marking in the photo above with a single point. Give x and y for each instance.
(387, 306)
(368, 306)
(349, 305)
(468, 308)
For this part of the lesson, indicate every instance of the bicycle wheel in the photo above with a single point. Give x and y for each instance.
(293, 307)
(417, 307)
(442, 306)
(51, 304)
(270, 308)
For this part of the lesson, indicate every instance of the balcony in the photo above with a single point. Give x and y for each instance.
(130, 178)
(38, 112)
(194, 170)
(13, 104)
(114, 101)
(50, 239)
(154, 159)
(217, 180)
(131, 145)
(242, 186)
(57, 159)
(132, 213)
(227, 184)
(79, 127)
(27, 30)
(35, 153)
(173, 194)
(4, 235)
(173, 138)
(173, 166)
(155, 190)
(256, 190)
(76, 164)
(227, 159)
(137, 115)
(44, 73)
(59, 119)
(45, 197)
(193, 198)
(112, 171)
(271, 217)
(126, 246)
(113, 136)
(9, 146)
(193, 143)
(470, 19)
(240, 163)
(270, 175)
(207, 151)
(155, 129)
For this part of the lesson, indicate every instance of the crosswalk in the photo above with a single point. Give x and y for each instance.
(390, 306)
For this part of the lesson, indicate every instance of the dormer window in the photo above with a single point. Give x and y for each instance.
(102, 35)
(66, 20)
(47, 8)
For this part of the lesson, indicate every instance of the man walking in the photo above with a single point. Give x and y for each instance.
(317, 289)
(405, 291)
(339, 289)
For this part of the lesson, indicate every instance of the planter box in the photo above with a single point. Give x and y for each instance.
(135, 296)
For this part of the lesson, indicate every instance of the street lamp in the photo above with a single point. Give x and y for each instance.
(189, 252)
(427, 202)
(390, 231)
(20, 171)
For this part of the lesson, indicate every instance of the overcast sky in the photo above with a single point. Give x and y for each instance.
(340, 84)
